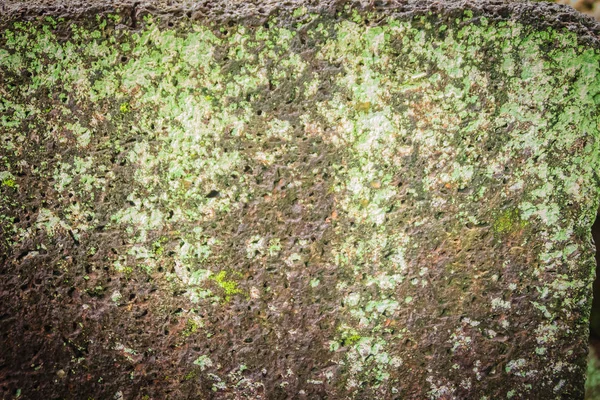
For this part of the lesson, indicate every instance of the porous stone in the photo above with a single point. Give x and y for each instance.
(319, 200)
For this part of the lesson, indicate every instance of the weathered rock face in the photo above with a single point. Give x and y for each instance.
(322, 203)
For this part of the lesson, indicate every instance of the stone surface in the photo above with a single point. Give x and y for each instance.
(240, 200)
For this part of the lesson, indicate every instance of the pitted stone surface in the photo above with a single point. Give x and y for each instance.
(296, 201)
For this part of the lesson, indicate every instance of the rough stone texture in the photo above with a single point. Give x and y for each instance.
(303, 200)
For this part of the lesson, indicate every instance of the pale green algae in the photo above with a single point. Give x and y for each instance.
(405, 93)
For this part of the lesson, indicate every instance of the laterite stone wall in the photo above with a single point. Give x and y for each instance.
(319, 201)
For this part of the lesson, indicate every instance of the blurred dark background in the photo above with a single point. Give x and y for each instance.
(591, 7)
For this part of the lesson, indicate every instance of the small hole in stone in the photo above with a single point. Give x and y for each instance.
(212, 194)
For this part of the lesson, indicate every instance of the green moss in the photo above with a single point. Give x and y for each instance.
(229, 287)
(157, 246)
(190, 375)
(350, 340)
(299, 12)
(509, 221)
(9, 183)
(191, 327)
